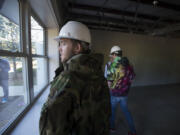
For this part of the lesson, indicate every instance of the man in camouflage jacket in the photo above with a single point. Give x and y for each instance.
(79, 101)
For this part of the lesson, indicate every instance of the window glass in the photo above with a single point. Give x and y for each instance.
(14, 92)
(39, 74)
(13, 89)
(9, 25)
(37, 37)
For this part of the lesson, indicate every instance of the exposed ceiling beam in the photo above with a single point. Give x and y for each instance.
(160, 4)
(110, 11)
(115, 12)
(166, 30)
(99, 19)
(107, 29)
(111, 26)
(115, 26)
(113, 29)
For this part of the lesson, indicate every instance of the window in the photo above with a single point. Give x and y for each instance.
(39, 61)
(23, 63)
(9, 26)
(39, 74)
(13, 78)
(37, 38)
(13, 90)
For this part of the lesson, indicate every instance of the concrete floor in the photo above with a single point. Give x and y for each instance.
(155, 110)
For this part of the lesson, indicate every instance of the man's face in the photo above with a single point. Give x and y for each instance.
(112, 57)
(66, 49)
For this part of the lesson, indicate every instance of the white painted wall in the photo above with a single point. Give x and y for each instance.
(53, 53)
(156, 59)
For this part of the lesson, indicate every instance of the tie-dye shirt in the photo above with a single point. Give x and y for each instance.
(121, 77)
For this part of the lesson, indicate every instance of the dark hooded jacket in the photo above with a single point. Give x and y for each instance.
(79, 101)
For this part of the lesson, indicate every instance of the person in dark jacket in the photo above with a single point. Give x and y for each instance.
(4, 69)
(79, 100)
(120, 75)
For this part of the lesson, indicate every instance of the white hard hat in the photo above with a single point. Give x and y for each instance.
(75, 30)
(115, 49)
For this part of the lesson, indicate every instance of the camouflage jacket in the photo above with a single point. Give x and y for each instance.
(79, 101)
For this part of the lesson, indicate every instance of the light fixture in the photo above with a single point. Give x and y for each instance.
(155, 2)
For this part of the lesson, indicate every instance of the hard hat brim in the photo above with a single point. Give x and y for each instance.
(57, 38)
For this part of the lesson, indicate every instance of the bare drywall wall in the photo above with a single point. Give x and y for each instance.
(156, 60)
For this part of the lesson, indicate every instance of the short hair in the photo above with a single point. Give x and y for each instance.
(86, 48)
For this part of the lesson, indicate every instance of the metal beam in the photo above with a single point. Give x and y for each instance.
(113, 29)
(115, 12)
(109, 25)
(166, 30)
(160, 4)
(120, 21)
(112, 26)
(129, 24)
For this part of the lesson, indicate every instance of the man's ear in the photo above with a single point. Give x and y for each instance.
(77, 49)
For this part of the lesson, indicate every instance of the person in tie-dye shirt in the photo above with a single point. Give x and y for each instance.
(119, 76)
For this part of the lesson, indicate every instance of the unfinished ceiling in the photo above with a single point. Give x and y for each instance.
(153, 17)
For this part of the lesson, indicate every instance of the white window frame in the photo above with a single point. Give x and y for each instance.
(25, 12)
